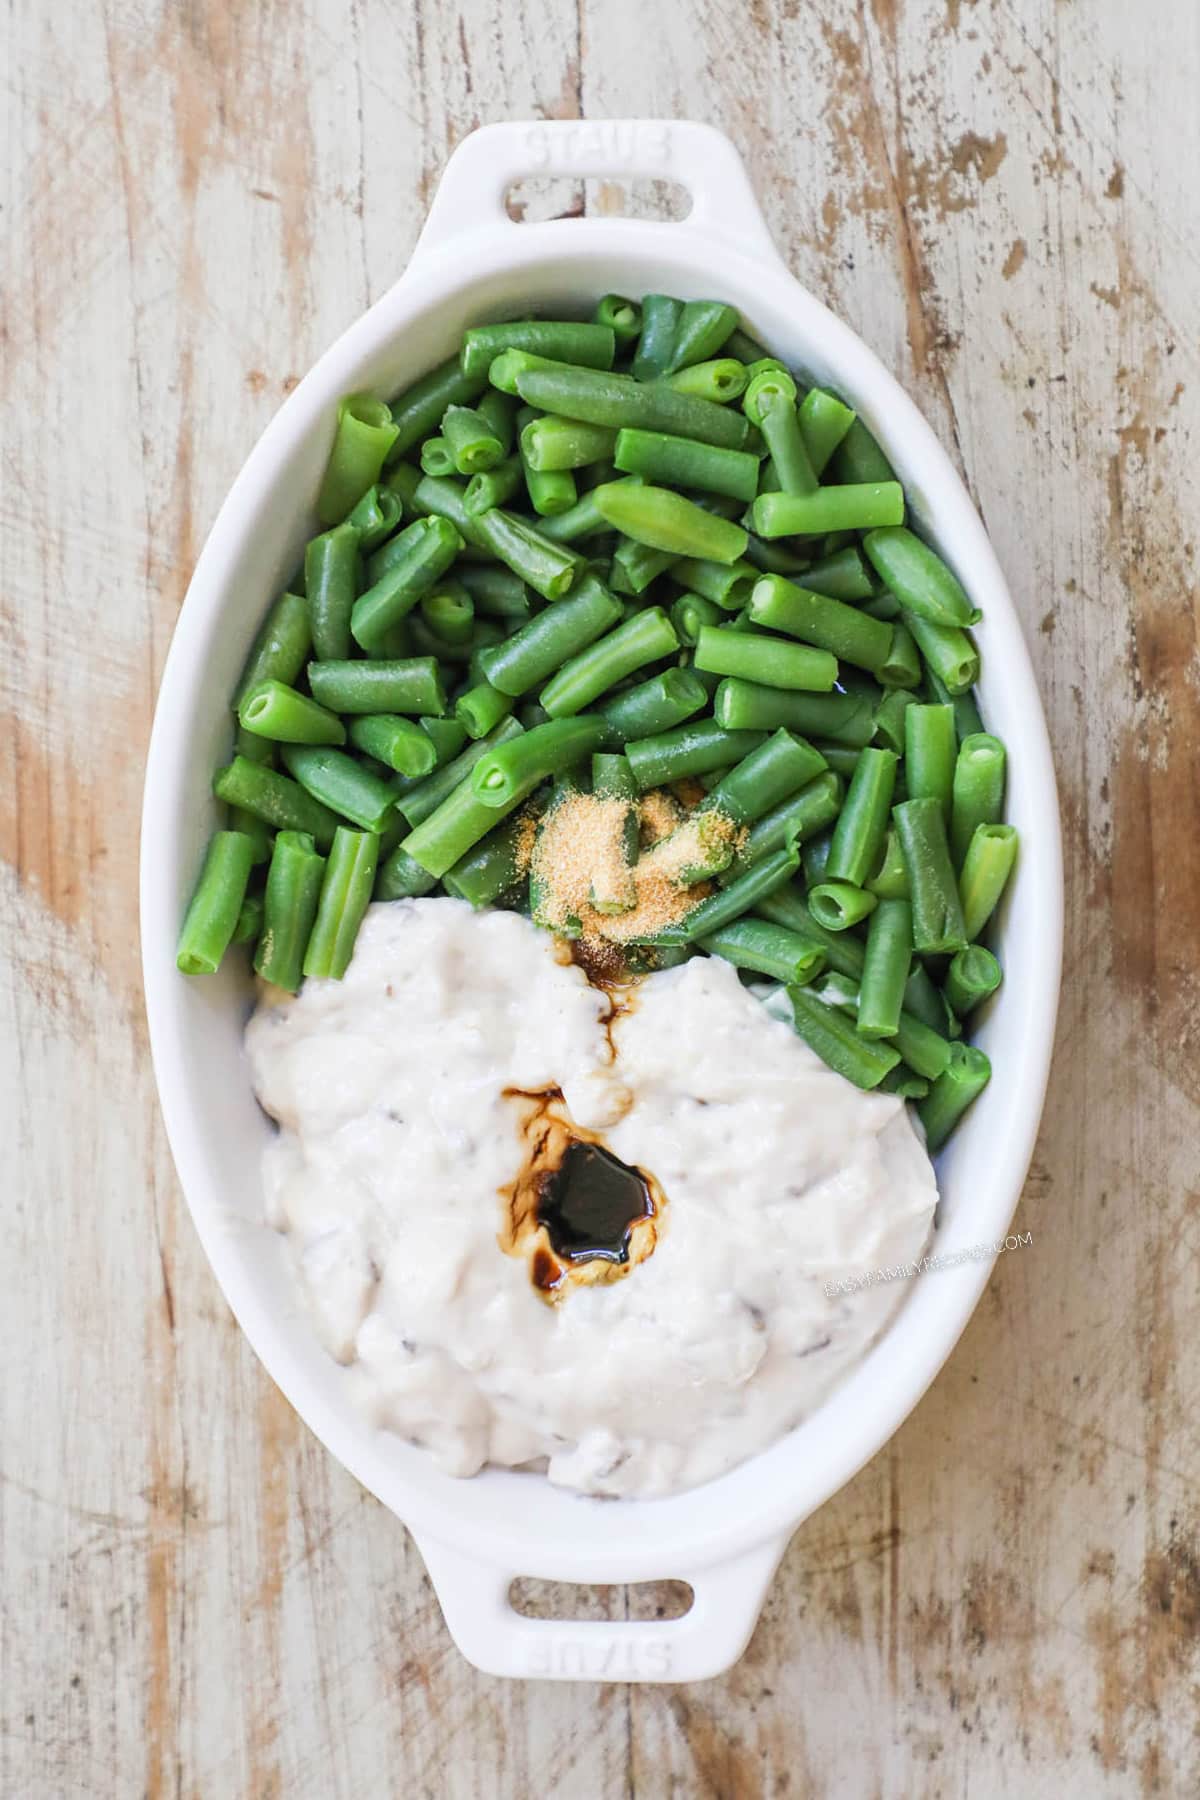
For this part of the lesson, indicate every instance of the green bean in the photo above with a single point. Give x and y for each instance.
(833, 1037)
(772, 773)
(274, 798)
(824, 422)
(289, 909)
(403, 480)
(399, 743)
(437, 457)
(481, 708)
(689, 749)
(549, 445)
(564, 341)
(447, 736)
(492, 869)
(890, 880)
(847, 718)
(842, 758)
(443, 498)
(937, 911)
(398, 877)
(885, 970)
(859, 833)
(977, 790)
(926, 1002)
(376, 516)
(618, 400)
(340, 783)
(635, 566)
(249, 920)
(814, 854)
(364, 435)
(419, 802)
(407, 685)
(901, 668)
(838, 905)
(494, 487)
(212, 913)
(345, 895)
(929, 745)
(858, 458)
(255, 829)
(462, 819)
(331, 583)
(535, 650)
(644, 638)
(660, 321)
(904, 1082)
(780, 605)
(743, 346)
(746, 891)
(843, 576)
(701, 331)
(844, 954)
(652, 707)
(430, 547)
(724, 378)
(449, 612)
(551, 494)
(986, 868)
(496, 591)
(727, 585)
(582, 520)
(750, 943)
(973, 974)
(918, 577)
(792, 820)
(689, 613)
(534, 757)
(966, 713)
(272, 710)
(767, 661)
(922, 1048)
(666, 521)
(281, 648)
(546, 566)
(948, 652)
(623, 317)
(421, 408)
(857, 507)
(500, 411)
(965, 1077)
(682, 462)
(770, 403)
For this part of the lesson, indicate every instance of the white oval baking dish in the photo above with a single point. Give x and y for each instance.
(472, 263)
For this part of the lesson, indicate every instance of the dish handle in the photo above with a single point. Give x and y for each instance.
(708, 1639)
(470, 195)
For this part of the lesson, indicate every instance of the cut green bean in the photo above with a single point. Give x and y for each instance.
(986, 868)
(618, 400)
(437, 457)
(773, 950)
(857, 507)
(859, 833)
(701, 330)
(938, 924)
(274, 798)
(859, 459)
(399, 743)
(212, 913)
(272, 710)
(824, 422)
(445, 837)
(666, 521)
(493, 869)
(494, 487)
(623, 317)
(398, 877)
(420, 410)
(768, 661)
(966, 1076)
(689, 613)
(562, 341)
(973, 975)
(926, 1002)
(890, 880)
(340, 783)
(419, 802)
(918, 577)
(635, 566)
(770, 403)
(901, 668)
(843, 576)
(345, 895)
(255, 829)
(833, 1037)
(929, 749)
(743, 346)
(289, 909)
(727, 585)
(440, 497)
(481, 708)
(793, 820)
(747, 891)
(660, 321)
(549, 445)
(583, 520)
(693, 748)
(846, 718)
(838, 906)
(331, 583)
(682, 462)
(281, 648)
(249, 920)
(473, 443)
(724, 378)
(449, 611)
(814, 854)
(410, 684)
(644, 638)
(652, 707)
(364, 436)
(771, 774)
(889, 718)
(922, 1048)
(430, 547)
(948, 652)
(844, 954)
(779, 605)
(376, 516)
(496, 591)
(885, 969)
(538, 648)
(544, 565)
(520, 766)
(977, 790)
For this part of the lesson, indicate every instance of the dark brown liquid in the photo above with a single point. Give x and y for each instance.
(589, 1203)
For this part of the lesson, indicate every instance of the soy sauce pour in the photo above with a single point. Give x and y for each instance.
(590, 1203)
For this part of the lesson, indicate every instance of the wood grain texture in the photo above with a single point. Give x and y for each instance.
(1001, 198)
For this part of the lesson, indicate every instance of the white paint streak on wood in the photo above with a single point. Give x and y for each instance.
(1001, 198)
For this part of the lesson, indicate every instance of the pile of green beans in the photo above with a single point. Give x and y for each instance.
(634, 551)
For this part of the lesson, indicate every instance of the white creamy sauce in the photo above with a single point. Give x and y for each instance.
(397, 1142)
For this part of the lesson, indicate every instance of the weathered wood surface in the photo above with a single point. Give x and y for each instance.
(1002, 198)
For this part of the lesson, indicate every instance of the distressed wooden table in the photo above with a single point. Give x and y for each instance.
(1002, 199)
